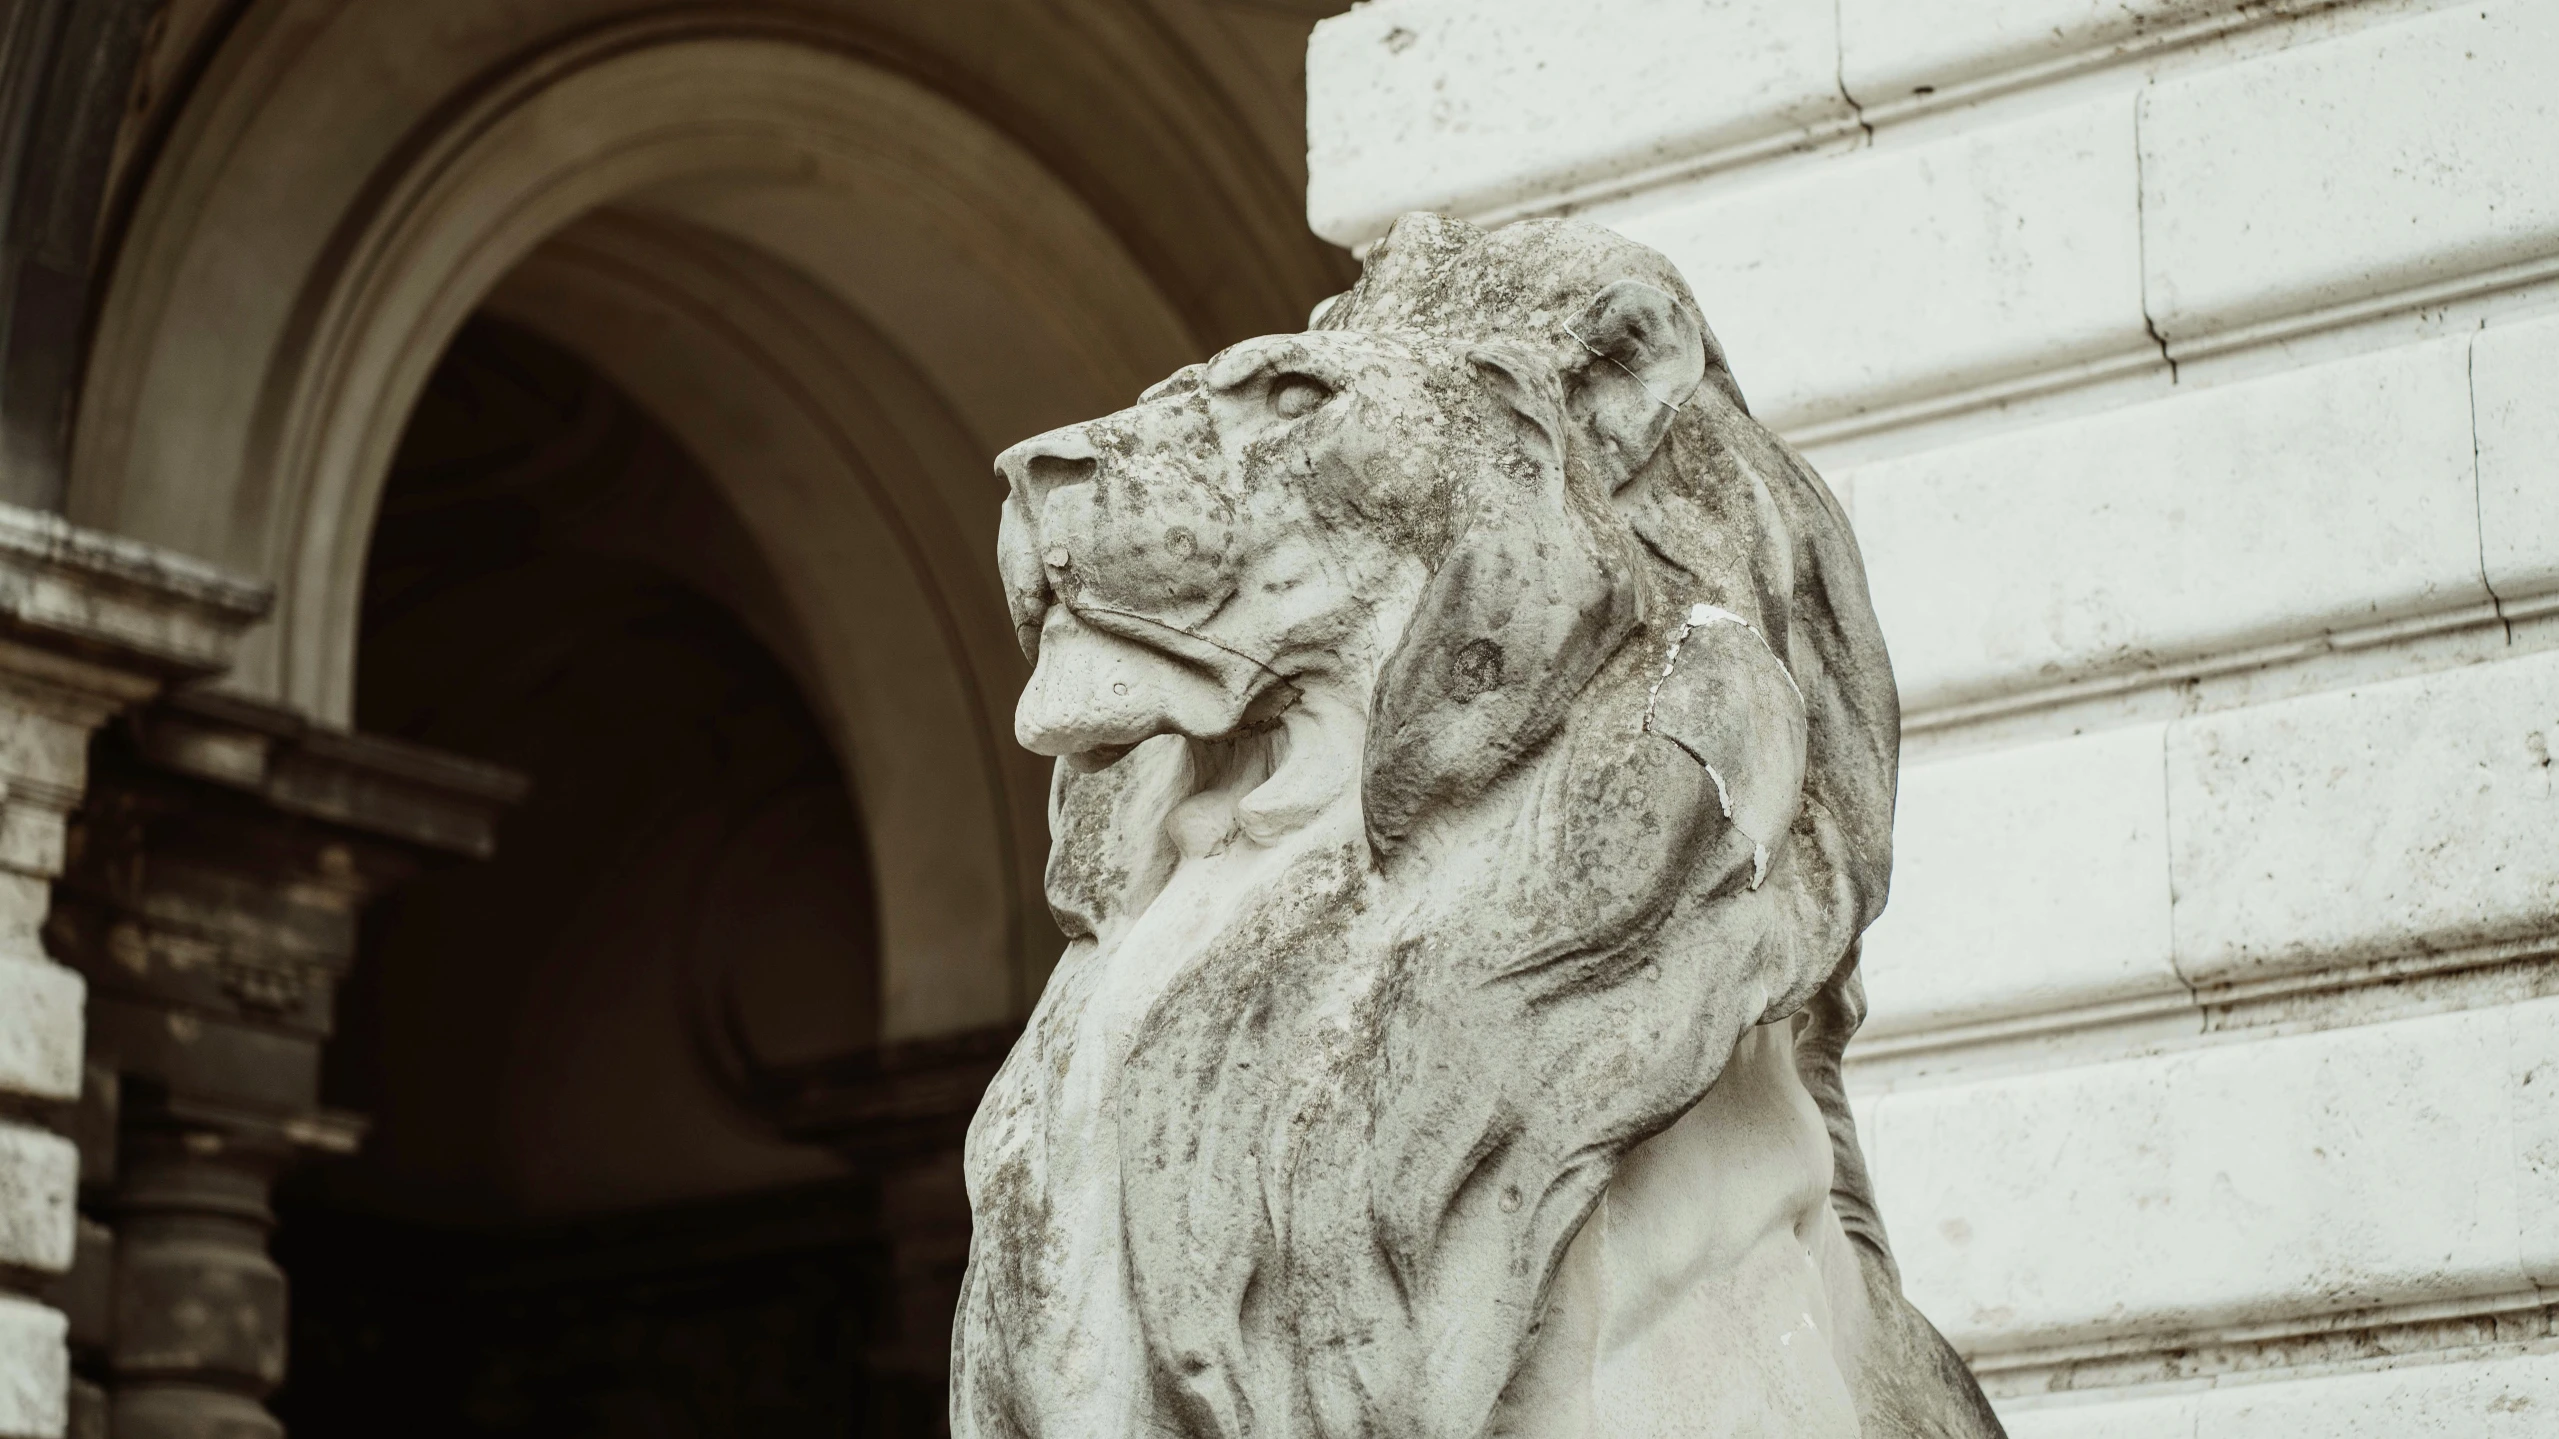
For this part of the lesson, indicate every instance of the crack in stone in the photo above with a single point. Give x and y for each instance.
(1699, 616)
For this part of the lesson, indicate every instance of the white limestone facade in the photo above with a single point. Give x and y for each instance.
(2190, 370)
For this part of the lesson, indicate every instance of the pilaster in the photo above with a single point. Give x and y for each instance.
(211, 894)
(90, 625)
(900, 1113)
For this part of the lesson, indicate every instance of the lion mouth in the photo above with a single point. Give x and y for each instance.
(1267, 754)
(1108, 680)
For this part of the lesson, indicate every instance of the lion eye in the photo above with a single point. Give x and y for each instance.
(1295, 395)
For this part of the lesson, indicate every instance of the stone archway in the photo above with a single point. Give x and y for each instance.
(840, 251)
(840, 287)
(568, 1052)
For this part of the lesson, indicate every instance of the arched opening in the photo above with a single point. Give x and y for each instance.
(837, 287)
(573, 1214)
(608, 390)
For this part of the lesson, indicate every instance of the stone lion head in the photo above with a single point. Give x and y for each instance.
(1469, 722)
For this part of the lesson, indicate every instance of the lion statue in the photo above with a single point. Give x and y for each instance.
(1476, 756)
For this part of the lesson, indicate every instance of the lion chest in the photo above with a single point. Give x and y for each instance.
(1703, 1297)
(1085, 1340)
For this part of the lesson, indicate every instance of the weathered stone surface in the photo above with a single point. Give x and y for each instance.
(2367, 824)
(2503, 1397)
(1465, 104)
(2514, 378)
(2104, 1416)
(2235, 1184)
(35, 1368)
(1894, 275)
(2138, 537)
(129, 605)
(2025, 881)
(2408, 154)
(39, 1028)
(1896, 50)
(1474, 747)
(2532, 1058)
(38, 1172)
(2518, 1399)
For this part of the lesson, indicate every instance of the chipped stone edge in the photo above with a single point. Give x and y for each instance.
(1699, 616)
(130, 604)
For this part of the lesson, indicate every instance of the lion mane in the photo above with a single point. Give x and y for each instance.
(1358, 1131)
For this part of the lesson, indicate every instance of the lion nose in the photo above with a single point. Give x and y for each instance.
(1044, 463)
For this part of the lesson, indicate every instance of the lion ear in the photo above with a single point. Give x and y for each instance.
(1646, 352)
(1536, 591)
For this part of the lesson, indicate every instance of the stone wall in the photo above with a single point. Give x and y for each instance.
(2191, 372)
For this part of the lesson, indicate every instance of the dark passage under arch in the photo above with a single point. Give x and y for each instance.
(578, 1212)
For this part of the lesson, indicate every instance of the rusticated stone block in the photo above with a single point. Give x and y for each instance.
(2367, 824)
(2139, 537)
(1460, 105)
(39, 1173)
(2025, 880)
(35, 1369)
(39, 1027)
(2234, 1184)
(2407, 154)
(1891, 276)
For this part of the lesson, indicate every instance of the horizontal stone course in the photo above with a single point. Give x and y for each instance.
(2334, 496)
(2401, 155)
(2381, 821)
(1886, 276)
(2137, 1415)
(1898, 50)
(2025, 880)
(1465, 105)
(2223, 1185)
(2326, 831)
(2507, 1397)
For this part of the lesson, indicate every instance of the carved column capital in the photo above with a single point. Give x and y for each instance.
(211, 893)
(216, 876)
(90, 625)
